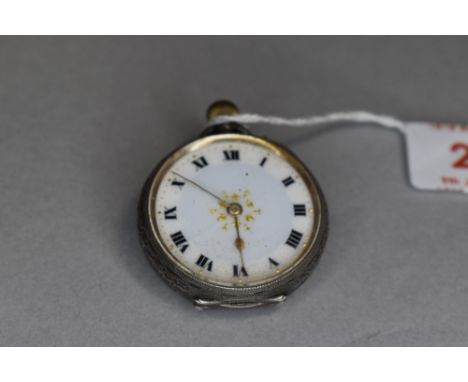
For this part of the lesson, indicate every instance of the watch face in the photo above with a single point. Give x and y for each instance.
(234, 210)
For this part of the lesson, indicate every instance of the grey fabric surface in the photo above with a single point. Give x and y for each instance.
(84, 120)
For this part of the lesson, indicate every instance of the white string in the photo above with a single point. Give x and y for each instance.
(343, 116)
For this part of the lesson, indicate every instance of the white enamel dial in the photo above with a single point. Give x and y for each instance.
(234, 212)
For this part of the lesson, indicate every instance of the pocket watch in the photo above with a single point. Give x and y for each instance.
(231, 219)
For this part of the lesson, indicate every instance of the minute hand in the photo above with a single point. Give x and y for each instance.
(200, 187)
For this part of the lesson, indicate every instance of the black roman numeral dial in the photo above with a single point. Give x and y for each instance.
(178, 183)
(294, 238)
(299, 210)
(205, 263)
(200, 162)
(231, 154)
(238, 271)
(273, 263)
(180, 241)
(170, 213)
(288, 181)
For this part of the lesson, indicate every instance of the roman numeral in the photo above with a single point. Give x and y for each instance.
(288, 181)
(205, 263)
(239, 271)
(180, 241)
(231, 154)
(273, 263)
(170, 213)
(299, 210)
(177, 183)
(294, 239)
(200, 163)
(263, 161)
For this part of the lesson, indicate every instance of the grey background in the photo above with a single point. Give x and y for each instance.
(84, 120)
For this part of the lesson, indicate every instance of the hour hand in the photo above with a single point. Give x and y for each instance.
(235, 210)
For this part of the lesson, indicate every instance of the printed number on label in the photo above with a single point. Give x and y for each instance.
(461, 162)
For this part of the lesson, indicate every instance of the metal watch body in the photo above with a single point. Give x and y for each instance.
(224, 224)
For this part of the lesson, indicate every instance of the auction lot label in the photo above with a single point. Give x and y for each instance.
(438, 156)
